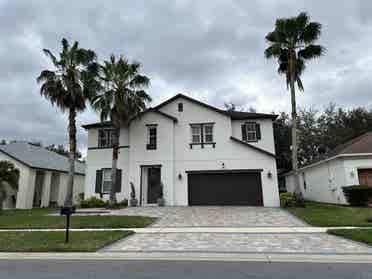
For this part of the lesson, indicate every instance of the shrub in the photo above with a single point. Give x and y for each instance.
(357, 195)
(291, 200)
(92, 203)
(122, 204)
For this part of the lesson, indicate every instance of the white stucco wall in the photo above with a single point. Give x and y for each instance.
(324, 181)
(176, 157)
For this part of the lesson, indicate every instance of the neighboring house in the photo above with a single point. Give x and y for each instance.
(201, 155)
(43, 176)
(348, 164)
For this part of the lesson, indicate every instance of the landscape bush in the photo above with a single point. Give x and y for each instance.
(358, 195)
(291, 200)
(93, 202)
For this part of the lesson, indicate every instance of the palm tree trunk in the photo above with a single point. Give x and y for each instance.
(71, 157)
(292, 67)
(115, 155)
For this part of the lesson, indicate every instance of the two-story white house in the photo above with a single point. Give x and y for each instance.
(201, 155)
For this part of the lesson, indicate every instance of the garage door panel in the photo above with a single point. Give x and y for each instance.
(225, 189)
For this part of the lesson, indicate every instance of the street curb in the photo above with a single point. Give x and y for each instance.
(227, 257)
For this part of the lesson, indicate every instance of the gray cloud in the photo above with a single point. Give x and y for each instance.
(212, 50)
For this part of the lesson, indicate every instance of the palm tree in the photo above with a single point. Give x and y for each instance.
(9, 176)
(68, 86)
(122, 98)
(292, 43)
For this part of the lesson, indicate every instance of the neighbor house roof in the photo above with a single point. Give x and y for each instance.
(358, 146)
(39, 158)
(361, 144)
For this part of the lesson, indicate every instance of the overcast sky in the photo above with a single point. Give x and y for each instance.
(210, 49)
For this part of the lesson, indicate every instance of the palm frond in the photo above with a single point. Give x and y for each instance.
(311, 52)
(311, 32)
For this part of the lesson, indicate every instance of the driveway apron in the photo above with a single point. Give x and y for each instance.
(231, 241)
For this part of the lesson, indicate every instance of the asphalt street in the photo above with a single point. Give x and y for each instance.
(58, 269)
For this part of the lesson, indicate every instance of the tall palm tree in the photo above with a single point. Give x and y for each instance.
(292, 43)
(9, 176)
(68, 86)
(122, 97)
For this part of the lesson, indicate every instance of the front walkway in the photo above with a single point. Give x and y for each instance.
(215, 216)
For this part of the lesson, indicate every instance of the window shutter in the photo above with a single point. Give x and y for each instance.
(98, 181)
(118, 181)
(258, 131)
(244, 132)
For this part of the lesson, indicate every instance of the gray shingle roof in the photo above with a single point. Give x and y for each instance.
(40, 158)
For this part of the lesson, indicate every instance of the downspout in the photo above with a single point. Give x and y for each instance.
(174, 164)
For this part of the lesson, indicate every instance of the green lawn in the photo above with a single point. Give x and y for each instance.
(361, 235)
(326, 215)
(54, 241)
(38, 218)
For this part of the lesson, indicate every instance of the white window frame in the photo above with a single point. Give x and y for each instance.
(199, 127)
(108, 136)
(209, 134)
(251, 130)
(106, 178)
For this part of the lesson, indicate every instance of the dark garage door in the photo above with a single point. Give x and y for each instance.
(225, 188)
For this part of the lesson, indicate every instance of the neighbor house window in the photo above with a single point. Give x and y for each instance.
(105, 137)
(251, 131)
(106, 180)
(151, 136)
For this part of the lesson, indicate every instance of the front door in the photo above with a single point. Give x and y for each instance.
(365, 177)
(153, 184)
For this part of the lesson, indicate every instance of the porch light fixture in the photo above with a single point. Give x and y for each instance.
(352, 173)
(179, 176)
(269, 174)
(223, 165)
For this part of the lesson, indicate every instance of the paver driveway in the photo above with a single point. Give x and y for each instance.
(231, 240)
(216, 216)
(314, 243)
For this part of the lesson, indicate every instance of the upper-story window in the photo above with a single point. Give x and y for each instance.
(195, 133)
(180, 107)
(105, 137)
(208, 133)
(151, 136)
(251, 131)
(202, 133)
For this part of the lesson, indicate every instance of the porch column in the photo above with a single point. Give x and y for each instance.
(46, 189)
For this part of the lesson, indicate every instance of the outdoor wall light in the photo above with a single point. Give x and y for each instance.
(269, 174)
(352, 173)
(179, 176)
(223, 165)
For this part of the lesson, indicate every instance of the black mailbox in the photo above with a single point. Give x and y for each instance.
(66, 210)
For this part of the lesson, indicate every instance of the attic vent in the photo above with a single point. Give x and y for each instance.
(180, 107)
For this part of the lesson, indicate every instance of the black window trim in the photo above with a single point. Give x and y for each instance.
(148, 145)
(202, 142)
(99, 144)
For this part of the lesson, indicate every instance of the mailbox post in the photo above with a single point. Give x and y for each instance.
(68, 211)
